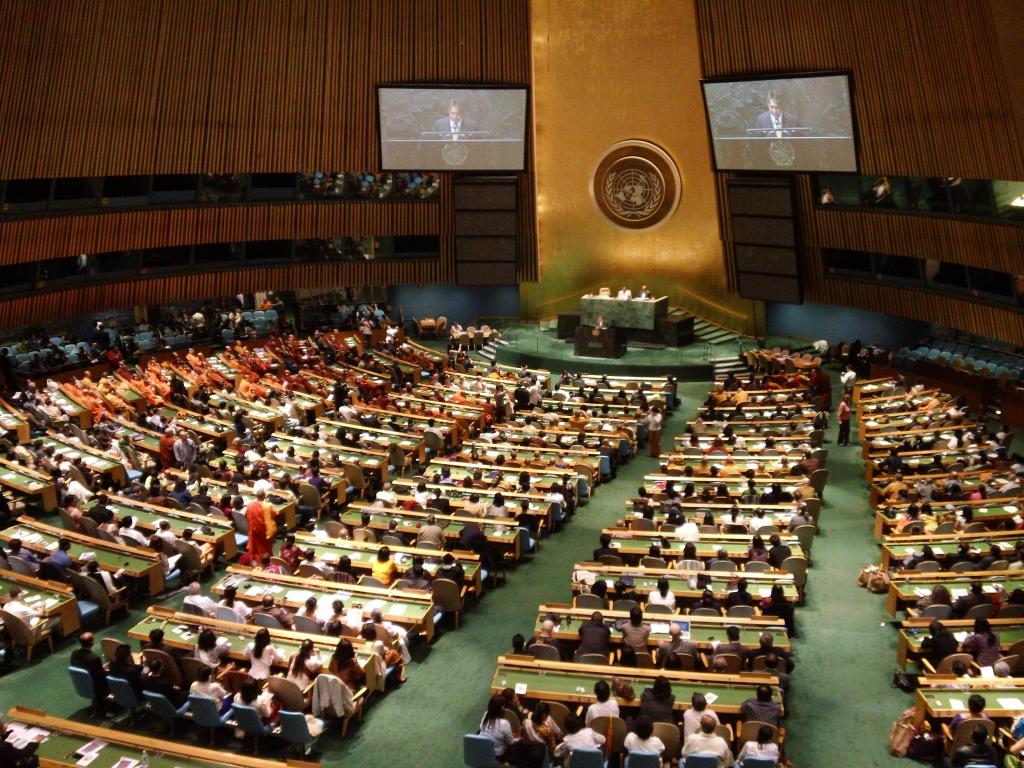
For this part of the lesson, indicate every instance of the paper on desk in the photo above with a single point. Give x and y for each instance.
(658, 628)
(374, 605)
(93, 746)
(765, 591)
(956, 704)
(986, 672)
(397, 609)
(520, 688)
(298, 595)
(922, 592)
(255, 589)
(125, 762)
(960, 636)
(956, 593)
(711, 696)
(1009, 702)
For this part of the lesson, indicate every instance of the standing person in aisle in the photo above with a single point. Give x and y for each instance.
(654, 420)
(843, 414)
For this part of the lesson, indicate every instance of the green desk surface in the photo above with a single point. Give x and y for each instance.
(256, 411)
(377, 434)
(293, 471)
(9, 419)
(542, 683)
(61, 746)
(735, 487)
(503, 476)
(949, 546)
(1007, 636)
(330, 552)
(403, 366)
(699, 633)
(32, 596)
(705, 548)
(91, 460)
(150, 443)
(407, 486)
(411, 525)
(1000, 701)
(38, 540)
(305, 450)
(179, 520)
(980, 513)
(913, 590)
(252, 591)
(202, 425)
(65, 403)
(526, 454)
(23, 479)
(681, 586)
(178, 633)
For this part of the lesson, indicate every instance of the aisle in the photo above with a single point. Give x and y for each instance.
(423, 723)
(842, 702)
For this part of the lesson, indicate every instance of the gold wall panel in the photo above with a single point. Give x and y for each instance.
(606, 72)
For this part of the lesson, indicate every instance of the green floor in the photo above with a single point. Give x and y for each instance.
(842, 702)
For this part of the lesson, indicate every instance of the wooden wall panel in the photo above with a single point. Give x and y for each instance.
(928, 81)
(165, 290)
(231, 86)
(43, 238)
(931, 99)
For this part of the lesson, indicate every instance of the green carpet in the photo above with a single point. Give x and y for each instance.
(841, 705)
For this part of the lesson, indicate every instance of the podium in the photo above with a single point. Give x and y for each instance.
(599, 342)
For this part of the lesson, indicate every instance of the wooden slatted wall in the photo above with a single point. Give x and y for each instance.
(108, 87)
(165, 290)
(930, 99)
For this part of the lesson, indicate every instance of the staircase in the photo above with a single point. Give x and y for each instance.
(490, 350)
(710, 333)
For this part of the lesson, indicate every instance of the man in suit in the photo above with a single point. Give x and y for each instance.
(778, 552)
(93, 664)
(595, 636)
(775, 120)
(456, 124)
(676, 644)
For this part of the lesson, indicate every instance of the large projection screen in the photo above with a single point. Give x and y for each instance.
(783, 123)
(451, 128)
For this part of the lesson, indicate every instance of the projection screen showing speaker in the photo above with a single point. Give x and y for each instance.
(451, 128)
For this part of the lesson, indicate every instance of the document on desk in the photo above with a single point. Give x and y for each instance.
(658, 628)
(957, 704)
(397, 609)
(711, 696)
(1010, 702)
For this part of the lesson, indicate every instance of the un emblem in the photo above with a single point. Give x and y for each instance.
(454, 153)
(636, 185)
(782, 153)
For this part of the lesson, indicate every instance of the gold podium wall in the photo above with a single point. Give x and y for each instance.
(605, 72)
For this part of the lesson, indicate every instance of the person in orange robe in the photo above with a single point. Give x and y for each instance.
(262, 527)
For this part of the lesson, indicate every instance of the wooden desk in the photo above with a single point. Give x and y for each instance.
(410, 443)
(573, 684)
(914, 629)
(502, 532)
(68, 736)
(633, 545)
(147, 517)
(93, 459)
(646, 581)
(911, 585)
(12, 420)
(986, 511)
(1004, 697)
(181, 632)
(374, 462)
(138, 563)
(703, 629)
(363, 555)
(410, 609)
(897, 547)
(58, 599)
(29, 482)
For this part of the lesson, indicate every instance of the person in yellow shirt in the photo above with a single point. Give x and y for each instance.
(384, 568)
(892, 491)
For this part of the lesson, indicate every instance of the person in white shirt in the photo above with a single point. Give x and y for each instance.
(165, 533)
(76, 489)
(605, 706)
(386, 496)
(624, 293)
(707, 742)
(128, 535)
(642, 738)
(196, 597)
(205, 685)
(691, 717)
(496, 727)
(577, 736)
(31, 615)
(264, 483)
(230, 601)
(662, 595)
(346, 410)
(688, 531)
(764, 746)
(848, 378)
(262, 655)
